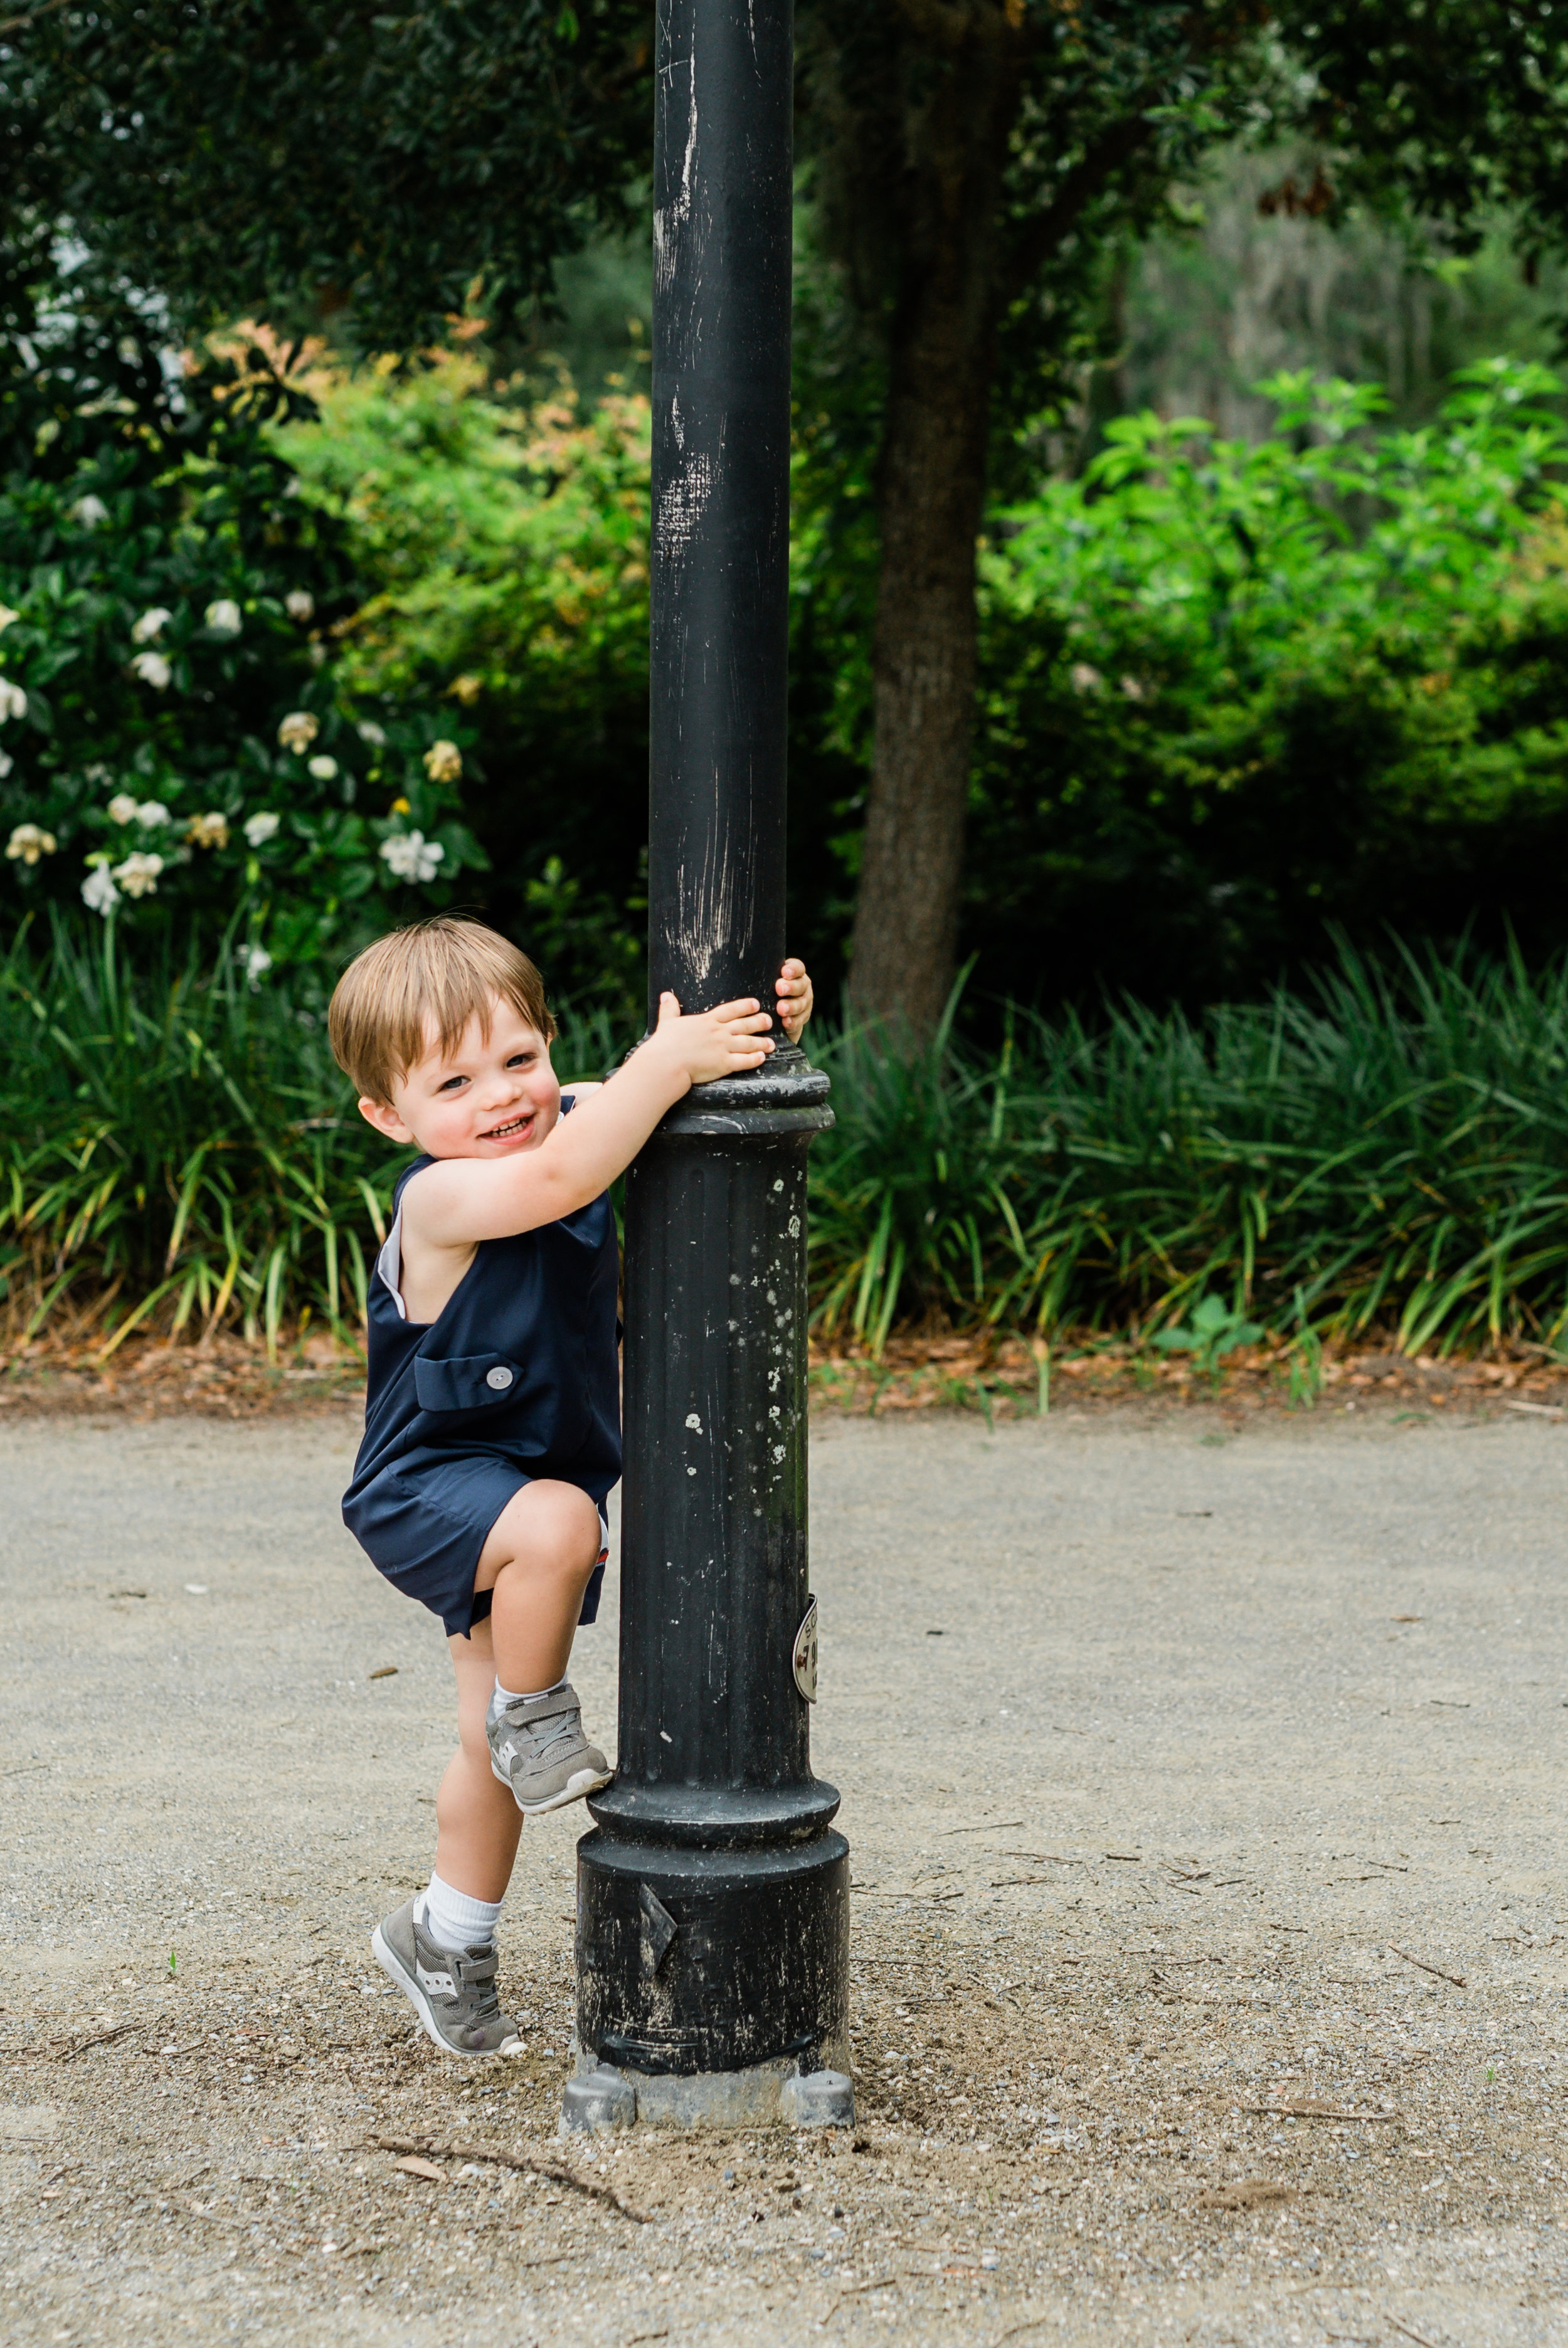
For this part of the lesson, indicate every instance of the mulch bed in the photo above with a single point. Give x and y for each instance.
(1008, 1378)
(999, 1377)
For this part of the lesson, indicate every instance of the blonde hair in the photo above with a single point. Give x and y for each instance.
(442, 972)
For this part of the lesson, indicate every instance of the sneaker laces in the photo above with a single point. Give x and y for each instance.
(474, 1970)
(561, 1726)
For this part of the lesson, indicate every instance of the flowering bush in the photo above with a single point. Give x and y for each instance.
(502, 542)
(173, 741)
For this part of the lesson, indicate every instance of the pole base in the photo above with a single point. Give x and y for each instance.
(600, 2098)
(597, 2100)
(699, 1963)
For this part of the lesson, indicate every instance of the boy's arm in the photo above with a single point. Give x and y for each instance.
(458, 1201)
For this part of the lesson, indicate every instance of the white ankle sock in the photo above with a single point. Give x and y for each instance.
(510, 1695)
(452, 1920)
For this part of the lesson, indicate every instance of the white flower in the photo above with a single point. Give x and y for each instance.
(29, 843)
(122, 808)
(6, 763)
(13, 700)
(152, 812)
(1083, 678)
(89, 512)
(7, 616)
(411, 857)
(300, 603)
(138, 876)
(223, 617)
(259, 828)
(298, 730)
(255, 962)
(368, 731)
(99, 894)
(443, 762)
(152, 669)
(149, 624)
(210, 830)
(323, 768)
(1132, 690)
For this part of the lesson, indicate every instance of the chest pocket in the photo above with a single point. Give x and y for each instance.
(474, 1382)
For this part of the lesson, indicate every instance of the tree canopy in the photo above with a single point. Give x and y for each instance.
(974, 167)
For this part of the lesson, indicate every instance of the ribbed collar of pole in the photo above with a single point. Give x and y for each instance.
(715, 1818)
(786, 1095)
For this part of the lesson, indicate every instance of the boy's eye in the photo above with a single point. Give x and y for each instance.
(521, 1060)
(451, 1084)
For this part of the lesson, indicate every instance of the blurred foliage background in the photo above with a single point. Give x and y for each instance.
(1296, 671)
(1290, 668)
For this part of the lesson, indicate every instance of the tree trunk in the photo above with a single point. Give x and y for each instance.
(931, 490)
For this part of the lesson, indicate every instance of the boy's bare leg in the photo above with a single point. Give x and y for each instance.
(477, 1821)
(541, 1551)
(439, 1948)
(538, 1557)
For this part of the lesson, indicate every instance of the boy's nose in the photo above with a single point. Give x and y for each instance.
(503, 1094)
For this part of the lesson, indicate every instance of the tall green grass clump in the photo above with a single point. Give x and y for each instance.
(1388, 1152)
(179, 1149)
(1391, 1151)
(177, 1144)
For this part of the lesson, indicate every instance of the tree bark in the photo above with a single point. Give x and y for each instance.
(932, 488)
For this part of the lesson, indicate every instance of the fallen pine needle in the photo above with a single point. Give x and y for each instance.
(1458, 1980)
(1419, 2336)
(98, 2038)
(1252, 2193)
(531, 2165)
(1311, 2112)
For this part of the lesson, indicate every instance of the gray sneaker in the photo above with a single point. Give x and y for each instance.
(538, 1748)
(453, 1995)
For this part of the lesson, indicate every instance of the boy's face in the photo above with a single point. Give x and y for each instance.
(492, 1096)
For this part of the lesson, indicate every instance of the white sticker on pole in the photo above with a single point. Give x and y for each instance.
(805, 1655)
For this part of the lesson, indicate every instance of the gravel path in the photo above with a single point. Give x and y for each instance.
(1157, 1743)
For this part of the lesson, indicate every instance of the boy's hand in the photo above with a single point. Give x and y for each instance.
(793, 989)
(710, 1044)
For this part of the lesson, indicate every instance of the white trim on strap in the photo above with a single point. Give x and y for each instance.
(389, 1263)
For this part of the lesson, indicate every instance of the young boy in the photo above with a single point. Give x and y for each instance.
(492, 1421)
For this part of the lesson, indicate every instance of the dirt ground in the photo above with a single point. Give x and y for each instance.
(1202, 1775)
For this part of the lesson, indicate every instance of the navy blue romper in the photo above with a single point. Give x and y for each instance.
(518, 1379)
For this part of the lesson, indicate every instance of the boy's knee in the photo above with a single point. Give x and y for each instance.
(579, 1513)
(560, 1530)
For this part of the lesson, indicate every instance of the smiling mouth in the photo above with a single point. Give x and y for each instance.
(507, 1132)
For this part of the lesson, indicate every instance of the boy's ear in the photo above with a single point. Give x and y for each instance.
(384, 1120)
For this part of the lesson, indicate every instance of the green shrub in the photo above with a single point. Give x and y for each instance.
(1235, 692)
(175, 743)
(503, 544)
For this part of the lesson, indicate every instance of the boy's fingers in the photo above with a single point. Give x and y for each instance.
(668, 1008)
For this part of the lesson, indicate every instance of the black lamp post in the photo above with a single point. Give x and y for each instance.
(713, 1898)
